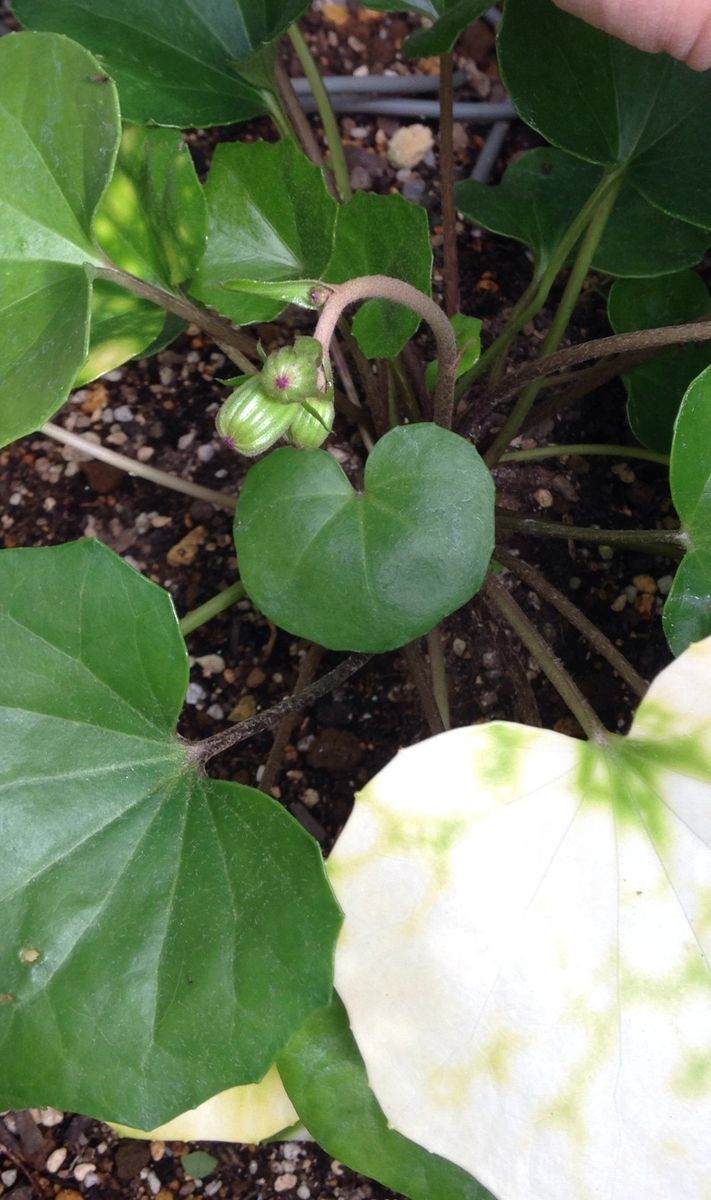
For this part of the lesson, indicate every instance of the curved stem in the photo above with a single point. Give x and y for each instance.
(212, 608)
(585, 448)
(219, 328)
(634, 539)
(200, 752)
(538, 583)
(539, 649)
(617, 343)
(133, 467)
(325, 108)
(569, 299)
(383, 287)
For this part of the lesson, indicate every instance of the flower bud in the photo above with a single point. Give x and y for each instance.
(313, 422)
(292, 373)
(250, 422)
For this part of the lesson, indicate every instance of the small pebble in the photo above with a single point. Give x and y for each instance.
(206, 453)
(619, 603)
(213, 1187)
(664, 585)
(284, 1183)
(186, 440)
(409, 145)
(543, 497)
(606, 553)
(255, 678)
(211, 664)
(55, 1160)
(645, 583)
(81, 1171)
(216, 711)
(157, 1151)
(50, 1117)
(8, 1177)
(245, 708)
(153, 1182)
(123, 413)
(144, 453)
(458, 647)
(303, 1192)
(195, 693)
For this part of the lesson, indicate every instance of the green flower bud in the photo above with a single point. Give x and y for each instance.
(292, 373)
(250, 422)
(313, 422)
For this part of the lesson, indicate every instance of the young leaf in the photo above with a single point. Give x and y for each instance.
(122, 326)
(270, 219)
(251, 1113)
(152, 220)
(535, 911)
(611, 104)
(468, 334)
(326, 1079)
(198, 1164)
(655, 388)
(687, 612)
(58, 141)
(450, 17)
(542, 192)
(367, 571)
(181, 927)
(382, 235)
(174, 63)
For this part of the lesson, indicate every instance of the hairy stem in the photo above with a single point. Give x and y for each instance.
(583, 383)
(446, 184)
(569, 299)
(219, 328)
(438, 671)
(308, 667)
(585, 448)
(617, 343)
(605, 648)
(417, 670)
(300, 122)
(212, 608)
(543, 654)
(383, 287)
(133, 467)
(200, 752)
(325, 108)
(651, 540)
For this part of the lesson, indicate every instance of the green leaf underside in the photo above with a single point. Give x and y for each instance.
(326, 1079)
(175, 63)
(122, 326)
(548, 903)
(450, 17)
(153, 217)
(542, 192)
(687, 611)
(655, 388)
(270, 219)
(182, 927)
(57, 146)
(467, 331)
(609, 103)
(383, 235)
(366, 572)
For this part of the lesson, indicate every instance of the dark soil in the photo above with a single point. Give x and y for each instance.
(162, 411)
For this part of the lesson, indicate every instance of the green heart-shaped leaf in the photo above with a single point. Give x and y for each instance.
(152, 220)
(163, 934)
(59, 131)
(270, 218)
(525, 952)
(175, 63)
(450, 17)
(382, 235)
(687, 612)
(367, 571)
(655, 388)
(611, 104)
(542, 192)
(325, 1077)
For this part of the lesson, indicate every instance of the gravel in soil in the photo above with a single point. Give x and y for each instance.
(162, 412)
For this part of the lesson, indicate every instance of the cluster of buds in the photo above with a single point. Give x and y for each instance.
(291, 397)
